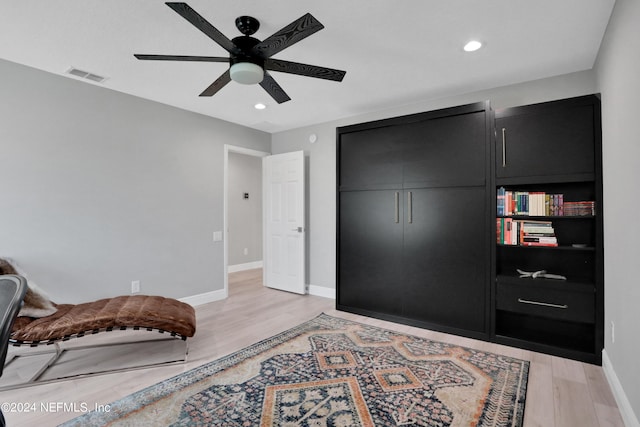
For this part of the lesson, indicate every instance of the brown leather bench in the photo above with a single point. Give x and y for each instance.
(118, 313)
(137, 312)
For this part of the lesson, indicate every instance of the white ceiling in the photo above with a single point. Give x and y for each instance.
(395, 52)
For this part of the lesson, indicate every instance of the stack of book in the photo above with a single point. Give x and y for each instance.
(531, 203)
(587, 208)
(511, 231)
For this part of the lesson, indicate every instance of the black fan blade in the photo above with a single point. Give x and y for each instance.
(292, 33)
(304, 69)
(203, 25)
(217, 85)
(180, 58)
(274, 89)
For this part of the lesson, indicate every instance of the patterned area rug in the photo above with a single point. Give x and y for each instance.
(334, 372)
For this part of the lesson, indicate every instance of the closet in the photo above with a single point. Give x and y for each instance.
(413, 236)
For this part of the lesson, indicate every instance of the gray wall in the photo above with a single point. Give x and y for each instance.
(245, 215)
(618, 72)
(321, 156)
(102, 188)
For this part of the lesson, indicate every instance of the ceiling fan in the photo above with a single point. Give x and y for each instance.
(251, 59)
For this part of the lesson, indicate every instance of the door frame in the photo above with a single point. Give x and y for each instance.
(238, 150)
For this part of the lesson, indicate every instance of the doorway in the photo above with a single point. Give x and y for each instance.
(242, 210)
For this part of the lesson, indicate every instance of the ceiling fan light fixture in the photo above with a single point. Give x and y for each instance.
(246, 73)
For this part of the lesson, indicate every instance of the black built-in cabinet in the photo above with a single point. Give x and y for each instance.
(555, 148)
(539, 141)
(413, 239)
(416, 233)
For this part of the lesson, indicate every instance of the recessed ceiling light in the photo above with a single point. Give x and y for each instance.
(259, 106)
(473, 45)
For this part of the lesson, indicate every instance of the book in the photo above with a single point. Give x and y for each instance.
(547, 204)
(529, 203)
(508, 222)
(560, 205)
(525, 232)
(584, 208)
(545, 239)
(531, 223)
(553, 245)
(500, 211)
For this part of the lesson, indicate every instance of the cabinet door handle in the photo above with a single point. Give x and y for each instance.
(397, 207)
(410, 208)
(504, 147)
(544, 304)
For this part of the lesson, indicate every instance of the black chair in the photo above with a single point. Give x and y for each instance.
(12, 290)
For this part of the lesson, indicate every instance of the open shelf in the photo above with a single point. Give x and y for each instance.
(568, 285)
(557, 248)
(543, 334)
(547, 217)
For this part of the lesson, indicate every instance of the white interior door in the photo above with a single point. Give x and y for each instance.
(284, 228)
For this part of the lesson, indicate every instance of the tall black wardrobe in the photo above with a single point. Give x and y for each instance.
(413, 237)
(421, 240)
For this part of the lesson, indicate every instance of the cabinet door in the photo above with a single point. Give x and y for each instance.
(370, 251)
(445, 151)
(446, 248)
(370, 158)
(556, 141)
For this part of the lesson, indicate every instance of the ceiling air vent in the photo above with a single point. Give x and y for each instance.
(86, 75)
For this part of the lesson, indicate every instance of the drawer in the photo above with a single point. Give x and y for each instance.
(544, 298)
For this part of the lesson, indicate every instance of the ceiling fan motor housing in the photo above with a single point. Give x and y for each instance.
(242, 53)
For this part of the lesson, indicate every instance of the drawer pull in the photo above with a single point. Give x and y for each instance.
(544, 304)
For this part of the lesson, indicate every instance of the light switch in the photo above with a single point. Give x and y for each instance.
(217, 236)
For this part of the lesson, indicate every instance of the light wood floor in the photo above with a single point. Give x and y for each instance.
(561, 392)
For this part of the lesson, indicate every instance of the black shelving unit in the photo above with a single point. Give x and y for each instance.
(555, 148)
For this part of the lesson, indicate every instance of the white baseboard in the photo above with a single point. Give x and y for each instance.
(205, 298)
(628, 416)
(220, 294)
(245, 266)
(321, 291)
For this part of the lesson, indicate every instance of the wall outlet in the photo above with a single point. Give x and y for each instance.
(245, 251)
(613, 332)
(135, 286)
